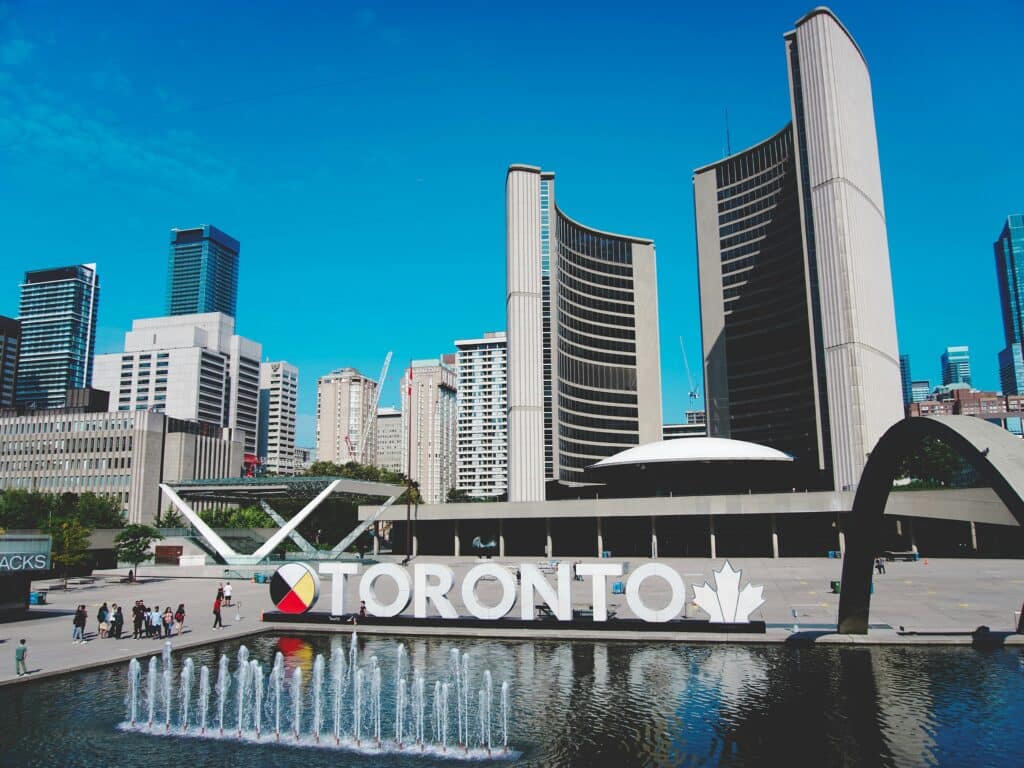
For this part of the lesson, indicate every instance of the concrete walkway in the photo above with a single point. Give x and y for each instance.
(944, 600)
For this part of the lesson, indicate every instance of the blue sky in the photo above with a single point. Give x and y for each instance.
(358, 151)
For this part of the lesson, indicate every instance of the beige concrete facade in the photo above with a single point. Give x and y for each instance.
(429, 411)
(125, 455)
(344, 414)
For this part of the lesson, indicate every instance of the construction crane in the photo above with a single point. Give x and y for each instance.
(373, 412)
(694, 393)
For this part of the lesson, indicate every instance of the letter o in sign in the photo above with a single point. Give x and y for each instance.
(508, 591)
(675, 582)
(368, 594)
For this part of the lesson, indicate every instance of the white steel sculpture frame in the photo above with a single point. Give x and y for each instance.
(286, 529)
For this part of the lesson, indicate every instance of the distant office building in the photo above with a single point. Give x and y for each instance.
(202, 274)
(584, 376)
(920, 391)
(1011, 370)
(694, 426)
(956, 366)
(279, 397)
(58, 334)
(482, 432)
(123, 455)
(304, 458)
(905, 380)
(389, 439)
(345, 417)
(797, 312)
(191, 367)
(1009, 250)
(10, 341)
(429, 411)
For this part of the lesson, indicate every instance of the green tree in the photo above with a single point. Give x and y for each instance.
(931, 464)
(99, 511)
(25, 509)
(133, 543)
(171, 518)
(70, 545)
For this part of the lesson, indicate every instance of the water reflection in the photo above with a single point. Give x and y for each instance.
(597, 704)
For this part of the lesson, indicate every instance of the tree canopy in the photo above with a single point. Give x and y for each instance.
(20, 509)
(132, 545)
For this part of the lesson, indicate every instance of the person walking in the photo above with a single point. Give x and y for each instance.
(154, 622)
(118, 624)
(138, 615)
(168, 621)
(179, 618)
(78, 624)
(227, 593)
(216, 613)
(101, 620)
(20, 652)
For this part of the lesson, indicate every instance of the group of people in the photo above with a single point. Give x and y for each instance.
(154, 623)
(146, 622)
(222, 600)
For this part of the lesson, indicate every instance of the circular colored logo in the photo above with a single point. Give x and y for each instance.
(294, 588)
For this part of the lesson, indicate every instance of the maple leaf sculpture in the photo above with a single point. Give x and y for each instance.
(726, 604)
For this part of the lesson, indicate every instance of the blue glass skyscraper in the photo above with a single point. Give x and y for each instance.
(202, 272)
(956, 366)
(58, 334)
(905, 380)
(1009, 249)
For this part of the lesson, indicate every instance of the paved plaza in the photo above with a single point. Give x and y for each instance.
(943, 599)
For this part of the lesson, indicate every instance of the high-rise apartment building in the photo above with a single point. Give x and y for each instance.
(906, 381)
(279, 397)
(429, 408)
(202, 274)
(584, 376)
(482, 430)
(189, 367)
(10, 341)
(956, 366)
(58, 334)
(1009, 250)
(389, 439)
(345, 417)
(796, 296)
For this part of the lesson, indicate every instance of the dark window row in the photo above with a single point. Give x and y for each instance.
(595, 375)
(595, 265)
(601, 278)
(582, 300)
(567, 389)
(595, 317)
(593, 356)
(598, 342)
(758, 194)
(566, 320)
(597, 246)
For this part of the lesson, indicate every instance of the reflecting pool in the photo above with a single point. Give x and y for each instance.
(565, 703)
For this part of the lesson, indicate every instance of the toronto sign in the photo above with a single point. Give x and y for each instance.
(296, 586)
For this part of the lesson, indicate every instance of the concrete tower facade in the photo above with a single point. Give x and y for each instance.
(797, 309)
(584, 377)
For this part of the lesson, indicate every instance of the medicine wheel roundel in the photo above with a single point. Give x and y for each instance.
(294, 588)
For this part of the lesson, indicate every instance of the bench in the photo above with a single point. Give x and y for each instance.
(908, 556)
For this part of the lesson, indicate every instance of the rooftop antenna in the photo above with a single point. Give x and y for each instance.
(728, 141)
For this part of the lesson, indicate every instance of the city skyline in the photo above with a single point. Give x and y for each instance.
(304, 234)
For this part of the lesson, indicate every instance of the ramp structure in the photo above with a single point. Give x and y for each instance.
(263, 491)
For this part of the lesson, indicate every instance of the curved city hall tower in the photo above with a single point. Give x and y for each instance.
(797, 311)
(584, 378)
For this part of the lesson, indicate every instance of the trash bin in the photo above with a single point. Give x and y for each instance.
(606, 553)
(259, 578)
(37, 598)
(618, 588)
(835, 584)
